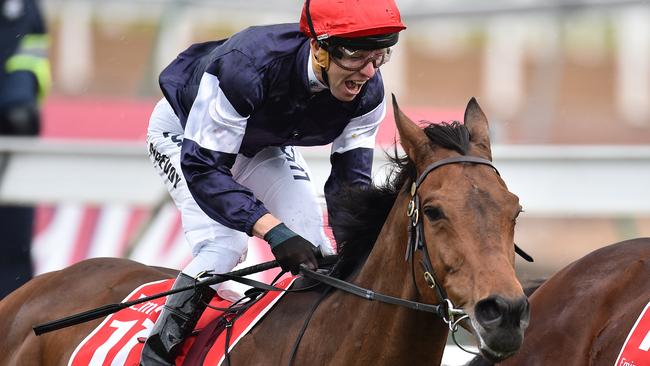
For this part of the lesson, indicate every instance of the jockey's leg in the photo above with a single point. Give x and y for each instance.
(176, 321)
(280, 177)
(218, 249)
(214, 246)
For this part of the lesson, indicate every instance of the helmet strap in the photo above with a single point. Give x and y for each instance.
(326, 80)
(322, 58)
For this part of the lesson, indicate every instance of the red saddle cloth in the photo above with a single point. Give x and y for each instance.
(118, 339)
(636, 349)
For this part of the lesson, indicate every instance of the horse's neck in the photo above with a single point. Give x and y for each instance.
(385, 269)
(407, 333)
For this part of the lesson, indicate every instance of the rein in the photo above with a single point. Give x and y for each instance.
(214, 279)
(442, 311)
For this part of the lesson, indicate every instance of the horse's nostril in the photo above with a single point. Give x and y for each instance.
(497, 311)
(488, 312)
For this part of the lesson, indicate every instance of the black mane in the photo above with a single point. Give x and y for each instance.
(357, 214)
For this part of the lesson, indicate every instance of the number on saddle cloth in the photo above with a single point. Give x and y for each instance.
(119, 338)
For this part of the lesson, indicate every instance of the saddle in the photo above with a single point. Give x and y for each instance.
(119, 339)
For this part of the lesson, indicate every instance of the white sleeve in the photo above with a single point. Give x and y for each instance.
(361, 131)
(213, 122)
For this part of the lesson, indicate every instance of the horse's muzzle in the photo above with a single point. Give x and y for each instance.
(500, 324)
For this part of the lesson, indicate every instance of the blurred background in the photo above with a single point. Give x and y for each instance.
(565, 85)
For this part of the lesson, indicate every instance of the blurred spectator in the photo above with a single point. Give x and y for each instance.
(24, 80)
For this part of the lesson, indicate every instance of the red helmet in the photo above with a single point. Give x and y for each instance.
(369, 24)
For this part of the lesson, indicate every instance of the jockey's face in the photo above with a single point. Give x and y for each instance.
(344, 84)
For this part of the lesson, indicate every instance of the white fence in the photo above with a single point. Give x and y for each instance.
(550, 180)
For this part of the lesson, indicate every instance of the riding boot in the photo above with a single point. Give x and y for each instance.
(180, 314)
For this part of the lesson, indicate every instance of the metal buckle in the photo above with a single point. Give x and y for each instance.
(410, 209)
(451, 315)
(413, 212)
(453, 324)
(430, 281)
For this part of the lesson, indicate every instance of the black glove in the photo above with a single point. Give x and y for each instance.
(291, 250)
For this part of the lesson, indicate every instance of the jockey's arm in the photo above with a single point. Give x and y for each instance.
(353, 150)
(264, 224)
(207, 159)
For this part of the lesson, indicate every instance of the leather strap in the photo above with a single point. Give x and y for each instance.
(368, 294)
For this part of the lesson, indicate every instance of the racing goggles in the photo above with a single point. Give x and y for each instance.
(355, 60)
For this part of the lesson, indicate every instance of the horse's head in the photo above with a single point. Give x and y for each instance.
(467, 219)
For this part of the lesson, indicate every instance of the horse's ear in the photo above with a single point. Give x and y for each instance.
(477, 124)
(411, 135)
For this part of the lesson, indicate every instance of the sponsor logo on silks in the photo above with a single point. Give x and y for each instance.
(175, 138)
(299, 172)
(147, 307)
(165, 165)
(636, 349)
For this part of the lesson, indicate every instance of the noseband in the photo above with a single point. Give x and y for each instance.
(416, 239)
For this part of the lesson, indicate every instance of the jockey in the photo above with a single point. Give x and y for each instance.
(222, 139)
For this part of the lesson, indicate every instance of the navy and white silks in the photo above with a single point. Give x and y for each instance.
(240, 105)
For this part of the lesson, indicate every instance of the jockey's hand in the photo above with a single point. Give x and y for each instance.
(291, 250)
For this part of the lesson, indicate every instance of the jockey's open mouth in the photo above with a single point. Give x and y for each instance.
(354, 86)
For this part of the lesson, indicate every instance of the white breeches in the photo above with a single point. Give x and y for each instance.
(269, 175)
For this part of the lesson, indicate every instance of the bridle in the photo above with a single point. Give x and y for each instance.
(416, 241)
(445, 309)
(416, 231)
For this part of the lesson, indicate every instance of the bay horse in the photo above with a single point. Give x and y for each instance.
(582, 315)
(461, 214)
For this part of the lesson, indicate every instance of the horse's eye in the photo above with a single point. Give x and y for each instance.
(434, 213)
